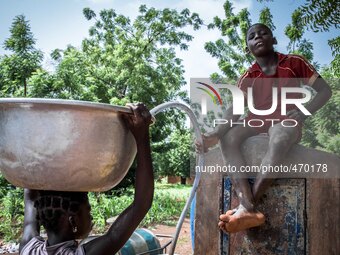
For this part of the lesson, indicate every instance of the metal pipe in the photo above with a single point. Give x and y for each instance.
(198, 135)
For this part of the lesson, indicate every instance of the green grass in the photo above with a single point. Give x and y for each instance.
(169, 200)
(11, 214)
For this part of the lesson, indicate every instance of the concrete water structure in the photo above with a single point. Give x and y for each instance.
(302, 209)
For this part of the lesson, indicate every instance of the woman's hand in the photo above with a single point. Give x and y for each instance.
(139, 122)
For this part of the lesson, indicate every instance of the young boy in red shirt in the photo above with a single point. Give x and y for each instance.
(271, 69)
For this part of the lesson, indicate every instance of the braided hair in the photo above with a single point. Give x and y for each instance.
(51, 205)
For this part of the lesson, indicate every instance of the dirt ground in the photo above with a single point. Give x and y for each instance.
(183, 246)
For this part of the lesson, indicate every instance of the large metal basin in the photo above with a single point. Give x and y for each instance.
(63, 144)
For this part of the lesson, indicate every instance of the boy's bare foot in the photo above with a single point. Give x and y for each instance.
(242, 219)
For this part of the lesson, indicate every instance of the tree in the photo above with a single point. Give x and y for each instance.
(71, 79)
(267, 18)
(294, 32)
(231, 55)
(122, 59)
(15, 69)
(320, 15)
(176, 160)
(322, 130)
(125, 61)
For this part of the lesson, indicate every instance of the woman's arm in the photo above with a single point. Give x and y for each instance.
(128, 221)
(31, 225)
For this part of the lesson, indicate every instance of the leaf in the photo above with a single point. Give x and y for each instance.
(88, 13)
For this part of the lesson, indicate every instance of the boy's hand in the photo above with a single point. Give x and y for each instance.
(296, 115)
(209, 140)
(139, 122)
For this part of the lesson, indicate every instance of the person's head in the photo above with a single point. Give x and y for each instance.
(65, 213)
(260, 40)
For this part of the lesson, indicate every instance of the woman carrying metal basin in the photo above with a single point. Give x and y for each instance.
(66, 215)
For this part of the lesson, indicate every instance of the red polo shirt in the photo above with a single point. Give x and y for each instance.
(292, 71)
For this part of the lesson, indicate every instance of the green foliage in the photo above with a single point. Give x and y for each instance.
(71, 80)
(5, 186)
(230, 55)
(295, 30)
(305, 48)
(16, 68)
(176, 160)
(11, 212)
(122, 60)
(267, 18)
(335, 45)
(320, 15)
(322, 130)
(169, 200)
(297, 43)
(335, 66)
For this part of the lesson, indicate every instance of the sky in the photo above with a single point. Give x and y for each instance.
(57, 23)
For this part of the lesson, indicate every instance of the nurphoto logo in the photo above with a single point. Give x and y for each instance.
(283, 97)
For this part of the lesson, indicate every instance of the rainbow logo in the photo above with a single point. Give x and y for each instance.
(211, 94)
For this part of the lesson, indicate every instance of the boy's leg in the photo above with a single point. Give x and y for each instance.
(280, 141)
(231, 150)
(244, 216)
